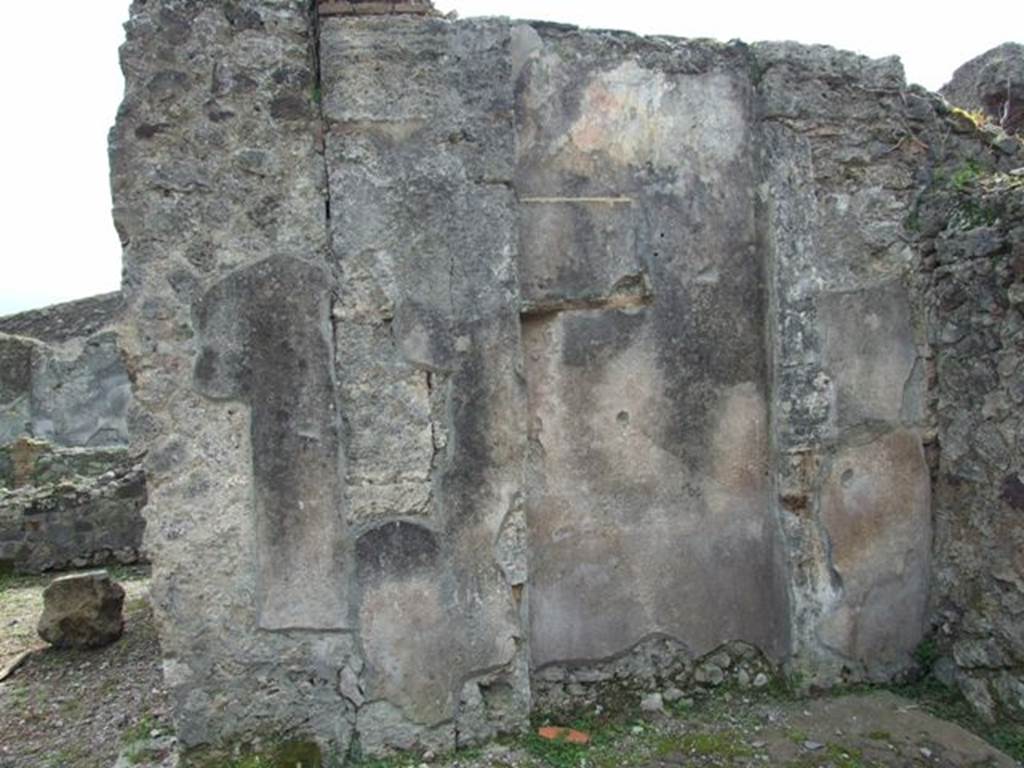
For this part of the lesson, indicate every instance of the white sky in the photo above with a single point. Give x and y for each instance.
(61, 86)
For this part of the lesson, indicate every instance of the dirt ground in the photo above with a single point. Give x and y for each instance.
(80, 709)
(74, 709)
(864, 730)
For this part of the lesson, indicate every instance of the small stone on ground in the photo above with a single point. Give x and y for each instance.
(82, 610)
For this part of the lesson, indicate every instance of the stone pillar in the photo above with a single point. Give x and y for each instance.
(419, 135)
(220, 199)
(323, 338)
(847, 351)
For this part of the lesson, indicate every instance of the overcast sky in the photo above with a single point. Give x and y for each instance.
(62, 85)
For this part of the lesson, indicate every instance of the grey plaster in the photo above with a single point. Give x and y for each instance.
(869, 353)
(264, 339)
(648, 510)
(424, 239)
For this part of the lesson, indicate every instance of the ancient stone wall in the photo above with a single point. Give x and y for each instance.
(481, 363)
(64, 322)
(70, 493)
(69, 507)
(220, 193)
(61, 375)
(972, 227)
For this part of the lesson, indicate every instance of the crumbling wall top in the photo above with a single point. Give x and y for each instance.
(62, 322)
(376, 7)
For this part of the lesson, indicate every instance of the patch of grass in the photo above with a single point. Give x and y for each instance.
(249, 761)
(136, 740)
(282, 754)
(293, 754)
(65, 757)
(965, 176)
(682, 707)
(926, 654)
(880, 736)
(912, 223)
(466, 753)
(10, 581)
(128, 572)
(135, 605)
(387, 762)
(558, 753)
(786, 687)
(844, 757)
(796, 736)
(138, 732)
(1010, 739)
(938, 699)
(608, 732)
(721, 744)
(407, 759)
(19, 696)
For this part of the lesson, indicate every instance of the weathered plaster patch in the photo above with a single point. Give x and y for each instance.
(876, 509)
(262, 340)
(638, 115)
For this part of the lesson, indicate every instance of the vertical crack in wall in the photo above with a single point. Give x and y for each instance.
(321, 116)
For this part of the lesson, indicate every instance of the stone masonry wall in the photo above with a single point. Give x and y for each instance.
(61, 375)
(69, 507)
(479, 363)
(63, 322)
(972, 227)
(70, 493)
(220, 195)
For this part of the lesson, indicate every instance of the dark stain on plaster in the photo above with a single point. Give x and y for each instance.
(469, 449)
(595, 337)
(262, 339)
(1013, 492)
(396, 550)
(15, 368)
(290, 107)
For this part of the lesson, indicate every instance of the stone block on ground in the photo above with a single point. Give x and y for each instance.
(82, 610)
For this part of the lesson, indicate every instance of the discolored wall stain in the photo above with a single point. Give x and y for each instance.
(264, 339)
(876, 507)
(405, 629)
(650, 513)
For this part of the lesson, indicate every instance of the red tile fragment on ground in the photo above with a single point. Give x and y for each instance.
(553, 733)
